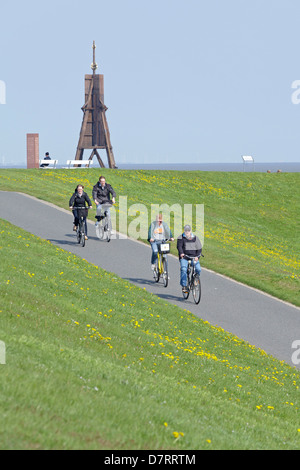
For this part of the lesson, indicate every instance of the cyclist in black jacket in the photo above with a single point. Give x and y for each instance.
(102, 192)
(188, 244)
(79, 199)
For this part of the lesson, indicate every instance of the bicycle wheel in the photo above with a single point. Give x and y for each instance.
(156, 273)
(187, 293)
(78, 234)
(196, 288)
(165, 274)
(100, 231)
(106, 228)
(82, 239)
(108, 234)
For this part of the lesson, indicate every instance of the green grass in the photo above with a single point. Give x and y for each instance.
(251, 219)
(94, 362)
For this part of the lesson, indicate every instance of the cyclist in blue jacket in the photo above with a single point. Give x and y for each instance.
(158, 231)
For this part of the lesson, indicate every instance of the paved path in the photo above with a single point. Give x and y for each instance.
(263, 321)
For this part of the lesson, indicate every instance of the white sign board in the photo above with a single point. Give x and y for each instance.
(247, 158)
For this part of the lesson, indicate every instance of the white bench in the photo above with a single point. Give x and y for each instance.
(49, 163)
(83, 163)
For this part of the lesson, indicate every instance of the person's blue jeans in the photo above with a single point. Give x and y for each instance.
(183, 270)
(154, 252)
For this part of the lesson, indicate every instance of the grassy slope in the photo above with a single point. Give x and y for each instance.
(251, 219)
(94, 362)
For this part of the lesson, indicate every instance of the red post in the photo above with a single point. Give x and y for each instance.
(32, 150)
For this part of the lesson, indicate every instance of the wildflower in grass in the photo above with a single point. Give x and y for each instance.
(177, 435)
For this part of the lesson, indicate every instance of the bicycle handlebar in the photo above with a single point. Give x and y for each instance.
(80, 207)
(107, 203)
(194, 257)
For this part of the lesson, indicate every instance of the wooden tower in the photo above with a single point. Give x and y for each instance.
(94, 133)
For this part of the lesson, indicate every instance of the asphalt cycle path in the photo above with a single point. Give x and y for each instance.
(261, 320)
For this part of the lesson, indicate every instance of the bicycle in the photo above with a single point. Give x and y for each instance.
(161, 264)
(104, 224)
(80, 232)
(193, 281)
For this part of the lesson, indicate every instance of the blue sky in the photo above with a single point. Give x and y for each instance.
(194, 81)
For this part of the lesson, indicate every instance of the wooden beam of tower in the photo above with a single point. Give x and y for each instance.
(109, 150)
(80, 147)
(94, 152)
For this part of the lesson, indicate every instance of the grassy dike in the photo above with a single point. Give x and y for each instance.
(94, 362)
(251, 219)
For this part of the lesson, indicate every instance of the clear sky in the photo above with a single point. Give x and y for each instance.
(194, 81)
